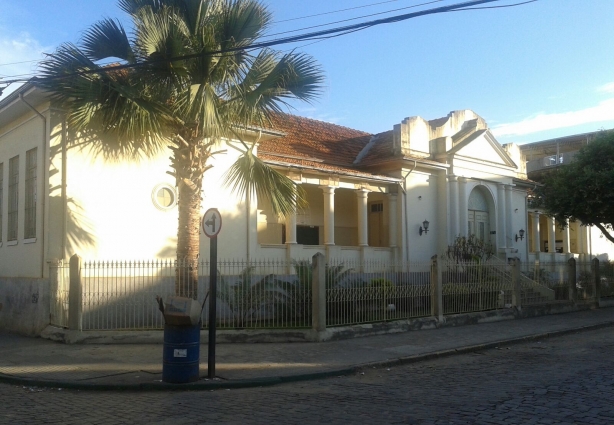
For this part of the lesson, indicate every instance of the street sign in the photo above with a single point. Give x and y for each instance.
(212, 223)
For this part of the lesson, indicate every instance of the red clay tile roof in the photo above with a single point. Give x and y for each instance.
(324, 146)
(317, 141)
(380, 150)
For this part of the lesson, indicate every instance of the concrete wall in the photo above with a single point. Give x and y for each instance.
(422, 203)
(24, 305)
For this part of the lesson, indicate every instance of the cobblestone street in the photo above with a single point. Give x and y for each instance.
(566, 380)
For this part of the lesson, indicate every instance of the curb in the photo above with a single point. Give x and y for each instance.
(269, 381)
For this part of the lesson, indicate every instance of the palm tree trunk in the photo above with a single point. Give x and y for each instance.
(188, 242)
(189, 162)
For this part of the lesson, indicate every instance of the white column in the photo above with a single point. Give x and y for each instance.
(551, 235)
(501, 220)
(291, 228)
(392, 220)
(536, 236)
(566, 240)
(508, 215)
(329, 214)
(453, 183)
(363, 229)
(582, 245)
(462, 207)
(291, 242)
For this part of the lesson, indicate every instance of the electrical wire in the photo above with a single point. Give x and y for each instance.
(318, 35)
(285, 20)
(354, 19)
(18, 63)
(494, 7)
(335, 11)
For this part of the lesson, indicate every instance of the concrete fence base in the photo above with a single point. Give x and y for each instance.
(310, 335)
(24, 305)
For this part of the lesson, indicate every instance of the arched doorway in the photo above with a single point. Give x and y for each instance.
(478, 215)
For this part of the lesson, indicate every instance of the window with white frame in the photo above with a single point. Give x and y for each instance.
(13, 198)
(30, 208)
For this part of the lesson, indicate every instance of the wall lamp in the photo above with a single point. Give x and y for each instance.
(521, 233)
(424, 228)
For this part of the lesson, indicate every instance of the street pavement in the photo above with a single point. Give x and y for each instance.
(39, 362)
(563, 380)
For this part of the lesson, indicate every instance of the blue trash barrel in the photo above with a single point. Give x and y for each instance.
(181, 354)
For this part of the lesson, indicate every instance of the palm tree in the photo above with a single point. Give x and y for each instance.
(134, 98)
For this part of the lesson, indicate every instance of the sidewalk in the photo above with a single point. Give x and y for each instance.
(39, 362)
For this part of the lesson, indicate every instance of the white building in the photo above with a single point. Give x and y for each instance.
(368, 194)
(575, 240)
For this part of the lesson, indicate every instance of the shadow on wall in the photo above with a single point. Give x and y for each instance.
(113, 148)
(169, 250)
(79, 229)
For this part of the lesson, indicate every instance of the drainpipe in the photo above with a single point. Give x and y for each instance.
(404, 189)
(526, 226)
(64, 195)
(44, 183)
(248, 207)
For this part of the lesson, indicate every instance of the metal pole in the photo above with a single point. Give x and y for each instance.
(212, 305)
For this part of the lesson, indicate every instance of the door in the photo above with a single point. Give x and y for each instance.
(376, 224)
(479, 225)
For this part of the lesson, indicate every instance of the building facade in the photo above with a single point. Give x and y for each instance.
(401, 195)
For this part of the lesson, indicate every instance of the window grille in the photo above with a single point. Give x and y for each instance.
(30, 209)
(13, 198)
(379, 207)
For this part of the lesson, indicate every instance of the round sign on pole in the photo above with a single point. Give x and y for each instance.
(212, 222)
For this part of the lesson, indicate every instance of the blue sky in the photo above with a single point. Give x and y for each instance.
(537, 71)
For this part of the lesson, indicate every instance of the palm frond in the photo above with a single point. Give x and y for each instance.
(109, 103)
(107, 39)
(133, 6)
(271, 82)
(242, 22)
(250, 175)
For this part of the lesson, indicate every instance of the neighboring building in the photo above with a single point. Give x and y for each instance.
(368, 194)
(575, 240)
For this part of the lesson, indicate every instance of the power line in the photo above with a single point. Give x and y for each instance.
(335, 11)
(275, 22)
(323, 34)
(18, 63)
(354, 19)
(495, 7)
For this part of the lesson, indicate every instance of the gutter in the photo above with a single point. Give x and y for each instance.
(404, 189)
(64, 190)
(44, 192)
(286, 165)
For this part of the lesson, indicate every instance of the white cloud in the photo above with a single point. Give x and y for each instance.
(19, 56)
(542, 122)
(606, 88)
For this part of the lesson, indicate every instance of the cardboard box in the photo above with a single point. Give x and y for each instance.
(182, 311)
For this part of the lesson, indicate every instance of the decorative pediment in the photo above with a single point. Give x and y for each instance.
(481, 145)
